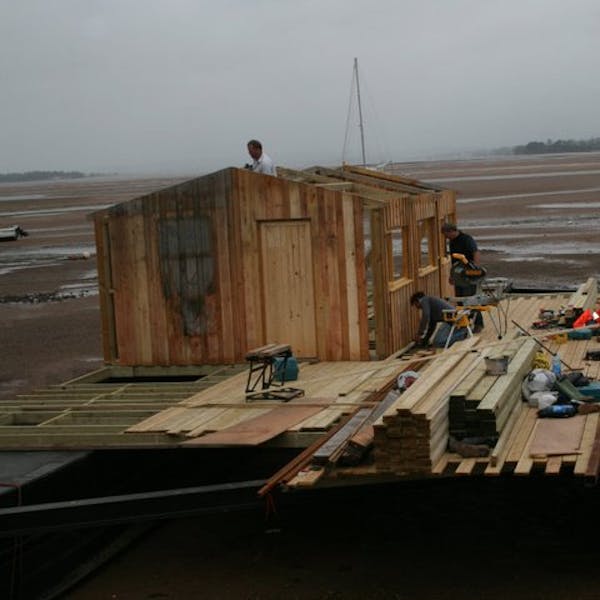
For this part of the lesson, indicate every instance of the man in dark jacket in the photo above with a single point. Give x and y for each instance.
(432, 313)
(460, 242)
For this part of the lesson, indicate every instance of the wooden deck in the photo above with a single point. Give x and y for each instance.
(93, 411)
(121, 407)
(413, 432)
(154, 407)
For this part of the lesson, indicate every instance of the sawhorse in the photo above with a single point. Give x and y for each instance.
(262, 372)
(460, 319)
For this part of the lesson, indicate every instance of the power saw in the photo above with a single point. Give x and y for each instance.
(465, 272)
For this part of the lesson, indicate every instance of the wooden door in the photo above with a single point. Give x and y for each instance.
(288, 285)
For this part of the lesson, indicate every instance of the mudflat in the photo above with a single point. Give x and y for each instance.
(535, 218)
(49, 308)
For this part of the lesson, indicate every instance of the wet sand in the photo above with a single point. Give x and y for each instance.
(535, 218)
(49, 310)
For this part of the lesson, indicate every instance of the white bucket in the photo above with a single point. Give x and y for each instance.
(496, 366)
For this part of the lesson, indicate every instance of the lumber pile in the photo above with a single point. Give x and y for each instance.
(481, 404)
(415, 427)
(412, 436)
(498, 404)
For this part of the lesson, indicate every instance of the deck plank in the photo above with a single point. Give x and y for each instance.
(256, 430)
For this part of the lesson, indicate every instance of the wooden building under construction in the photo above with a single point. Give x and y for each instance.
(324, 260)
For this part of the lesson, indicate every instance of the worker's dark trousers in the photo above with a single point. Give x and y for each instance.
(469, 290)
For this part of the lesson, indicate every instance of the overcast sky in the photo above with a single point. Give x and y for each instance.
(181, 85)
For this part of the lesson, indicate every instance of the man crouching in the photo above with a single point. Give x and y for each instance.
(432, 314)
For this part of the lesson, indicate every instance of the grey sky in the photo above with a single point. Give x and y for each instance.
(180, 85)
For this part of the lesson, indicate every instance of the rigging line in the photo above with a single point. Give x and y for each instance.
(379, 131)
(348, 115)
(360, 116)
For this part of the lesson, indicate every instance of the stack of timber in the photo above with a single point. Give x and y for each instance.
(412, 435)
(415, 428)
(500, 402)
(482, 404)
(465, 399)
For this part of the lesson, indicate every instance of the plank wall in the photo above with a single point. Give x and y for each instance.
(182, 274)
(403, 204)
(398, 324)
(338, 278)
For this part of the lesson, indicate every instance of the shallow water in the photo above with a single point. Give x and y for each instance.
(43, 212)
(470, 200)
(22, 197)
(516, 176)
(21, 258)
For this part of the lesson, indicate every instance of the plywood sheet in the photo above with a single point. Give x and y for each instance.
(557, 436)
(257, 430)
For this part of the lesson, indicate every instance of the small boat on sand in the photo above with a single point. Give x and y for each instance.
(12, 233)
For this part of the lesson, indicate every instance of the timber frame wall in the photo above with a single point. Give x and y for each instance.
(395, 204)
(203, 271)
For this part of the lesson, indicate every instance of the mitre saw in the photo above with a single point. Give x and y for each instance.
(488, 292)
(465, 272)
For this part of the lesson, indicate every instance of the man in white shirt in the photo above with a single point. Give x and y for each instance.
(261, 162)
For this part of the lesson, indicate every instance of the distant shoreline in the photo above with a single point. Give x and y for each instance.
(44, 176)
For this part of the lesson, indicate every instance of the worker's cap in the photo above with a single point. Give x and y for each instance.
(447, 227)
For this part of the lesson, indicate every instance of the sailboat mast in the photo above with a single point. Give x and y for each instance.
(360, 119)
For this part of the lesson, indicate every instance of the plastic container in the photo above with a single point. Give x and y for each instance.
(582, 333)
(291, 369)
(558, 411)
(592, 390)
(496, 366)
(556, 367)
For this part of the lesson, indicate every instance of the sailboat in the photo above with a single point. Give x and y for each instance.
(355, 86)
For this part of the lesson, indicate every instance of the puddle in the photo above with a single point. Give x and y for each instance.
(546, 252)
(461, 200)
(22, 197)
(43, 212)
(518, 176)
(568, 205)
(546, 259)
(547, 222)
(508, 237)
(52, 231)
(29, 258)
(25, 253)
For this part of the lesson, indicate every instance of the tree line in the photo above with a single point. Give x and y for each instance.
(40, 175)
(552, 146)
